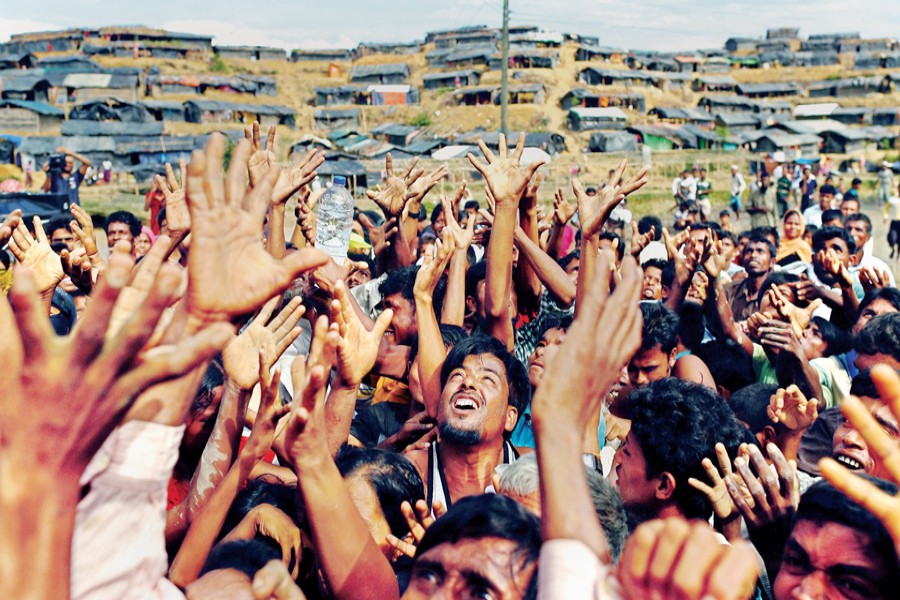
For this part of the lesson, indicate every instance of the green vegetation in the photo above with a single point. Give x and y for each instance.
(218, 65)
(421, 120)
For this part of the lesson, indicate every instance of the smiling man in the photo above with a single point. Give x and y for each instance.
(758, 259)
(484, 390)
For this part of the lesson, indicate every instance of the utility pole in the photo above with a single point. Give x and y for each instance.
(504, 72)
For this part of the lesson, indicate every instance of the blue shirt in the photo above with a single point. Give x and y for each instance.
(523, 435)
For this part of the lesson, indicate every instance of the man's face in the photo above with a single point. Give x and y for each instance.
(849, 207)
(439, 223)
(366, 501)
(358, 277)
(877, 307)
(851, 450)
(812, 343)
(68, 164)
(543, 354)
(859, 230)
(118, 231)
(651, 288)
(638, 491)
(488, 567)
(830, 561)
(739, 250)
(698, 238)
(843, 253)
(572, 269)
(475, 400)
(403, 324)
(727, 245)
(650, 365)
(63, 236)
(825, 201)
(756, 258)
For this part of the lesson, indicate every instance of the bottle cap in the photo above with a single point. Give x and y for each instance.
(340, 180)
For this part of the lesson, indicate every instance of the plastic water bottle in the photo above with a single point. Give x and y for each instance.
(334, 220)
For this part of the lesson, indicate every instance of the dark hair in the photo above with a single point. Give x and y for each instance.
(614, 237)
(123, 216)
(691, 324)
(516, 375)
(488, 516)
(212, 379)
(677, 424)
(265, 489)
(366, 259)
(823, 503)
(837, 340)
(392, 476)
(863, 386)
(827, 189)
(403, 281)
(750, 405)
(475, 275)
(61, 222)
(881, 335)
(566, 260)
(776, 278)
(890, 295)
(660, 327)
(830, 233)
(755, 238)
(161, 216)
(648, 222)
(436, 212)
(810, 229)
(471, 204)
(725, 213)
(546, 325)
(859, 217)
(451, 335)
(856, 180)
(246, 556)
(832, 214)
(765, 231)
(729, 365)
(657, 263)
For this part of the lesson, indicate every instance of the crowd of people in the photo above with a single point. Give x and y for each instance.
(504, 398)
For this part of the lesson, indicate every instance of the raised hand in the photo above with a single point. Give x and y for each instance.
(396, 193)
(83, 228)
(240, 357)
(505, 179)
(10, 223)
(178, 217)
(262, 434)
(229, 271)
(379, 236)
(357, 347)
(639, 240)
(563, 211)
(77, 266)
(683, 267)
(296, 176)
(887, 450)
(274, 582)
(799, 318)
(420, 187)
(418, 521)
(593, 211)
(36, 254)
(874, 279)
(262, 158)
(678, 559)
(834, 265)
(306, 215)
(717, 494)
(463, 237)
(791, 408)
(530, 197)
(711, 261)
(773, 496)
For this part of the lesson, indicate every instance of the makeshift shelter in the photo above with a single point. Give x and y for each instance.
(112, 128)
(657, 137)
(856, 86)
(521, 57)
(332, 55)
(398, 135)
(335, 96)
(612, 55)
(110, 109)
(552, 143)
(820, 110)
(819, 58)
(612, 141)
(467, 56)
(24, 115)
(253, 53)
(698, 138)
(401, 48)
(27, 84)
(718, 104)
(738, 44)
(330, 118)
(845, 141)
(731, 123)
(391, 73)
(682, 115)
(424, 147)
(586, 119)
(215, 111)
(852, 115)
(714, 83)
(591, 99)
(775, 140)
(390, 95)
(165, 110)
(80, 87)
(715, 64)
(96, 148)
(69, 62)
(886, 117)
(451, 79)
(353, 170)
(768, 90)
(19, 60)
(595, 76)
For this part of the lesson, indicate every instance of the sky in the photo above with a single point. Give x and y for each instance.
(667, 25)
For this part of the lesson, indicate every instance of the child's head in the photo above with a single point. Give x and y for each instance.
(725, 217)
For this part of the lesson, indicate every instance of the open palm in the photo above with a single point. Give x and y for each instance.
(505, 179)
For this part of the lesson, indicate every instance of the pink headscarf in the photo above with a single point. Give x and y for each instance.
(149, 232)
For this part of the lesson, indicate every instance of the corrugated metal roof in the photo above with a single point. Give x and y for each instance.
(386, 69)
(100, 128)
(610, 113)
(38, 107)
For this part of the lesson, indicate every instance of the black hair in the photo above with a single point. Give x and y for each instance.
(161, 216)
(810, 230)
(859, 217)
(246, 556)
(475, 275)
(729, 365)
(725, 213)
(660, 327)
(691, 324)
(862, 386)
(613, 237)
(366, 259)
(823, 503)
(830, 233)
(123, 216)
(566, 260)
(677, 424)
(727, 234)
(837, 340)
(212, 379)
(403, 281)
(832, 214)
(765, 231)
(750, 405)
(554, 323)
(888, 294)
(657, 263)
(265, 489)
(392, 476)
(516, 375)
(451, 335)
(827, 189)
(471, 204)
(648, 222)
(881, 335)
(436, 212)
(776, 278)
(61, 222)
(755, 238)
(489, 516)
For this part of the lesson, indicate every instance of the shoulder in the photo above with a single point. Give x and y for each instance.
(419, 458)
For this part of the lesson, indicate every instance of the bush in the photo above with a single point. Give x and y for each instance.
(218, 65)
(421, 120)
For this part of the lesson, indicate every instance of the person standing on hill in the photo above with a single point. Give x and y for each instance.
(738, 185)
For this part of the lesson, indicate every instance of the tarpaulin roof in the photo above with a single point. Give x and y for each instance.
(40, 108)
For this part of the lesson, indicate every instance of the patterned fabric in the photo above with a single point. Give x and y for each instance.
(529, 334)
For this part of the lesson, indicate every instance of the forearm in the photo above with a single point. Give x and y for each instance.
(275, 238)
(353, 565)
(454, 310)
(297, 237)
(499, 263)
(555, 243)
(548, 270)
(400, 252)
(726, 320)
(528, 285)
(339, 414)
(849, 302)
(84, 160)
(567, 510)
(589, 248)
(431, 353)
